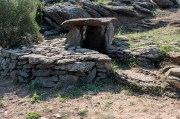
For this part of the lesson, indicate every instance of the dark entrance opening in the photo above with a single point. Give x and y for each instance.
(94, 39)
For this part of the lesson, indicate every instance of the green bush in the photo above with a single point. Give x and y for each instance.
(17, 22)
(33, 115)
(39, 13)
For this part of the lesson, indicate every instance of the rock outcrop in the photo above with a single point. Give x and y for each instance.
(173, 77)
(164, 3)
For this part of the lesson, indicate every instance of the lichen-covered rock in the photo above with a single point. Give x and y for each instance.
(173, 77)
(174, 57)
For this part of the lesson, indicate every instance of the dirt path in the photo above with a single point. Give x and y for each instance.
(112, 102)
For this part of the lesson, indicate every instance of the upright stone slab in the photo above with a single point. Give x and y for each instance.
(74, 37)
(109, 36)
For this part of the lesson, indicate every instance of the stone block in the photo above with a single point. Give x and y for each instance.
(46, 81)
(68, 79)
(41, 73)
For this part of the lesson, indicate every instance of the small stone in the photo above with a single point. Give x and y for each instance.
(27, 66)
(55, 72)
(97, 78)
(44, 66)
(65, 61)
(22, 79)
(102, 75)
(12, 66)
(22, 63)
(72, 48)
(91, 93)
(24, 74)
(91, 76)
(101, 70)
(6, 53)
(41, 72)
(43, 118)
(57, 116)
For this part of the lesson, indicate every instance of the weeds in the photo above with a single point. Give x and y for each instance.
(37, 96)
(107, 104)
(114, 67)
(133, 64)
(87, 96)
(1, 102)
(34, 86)
(32, 115)
(63, 99)
(132, 103)
(82, 112)
(95, 87)
(45, 106)
(16, 82)
(68, 94)
(120, 107)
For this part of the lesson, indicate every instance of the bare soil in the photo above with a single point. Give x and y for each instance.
(112, 102)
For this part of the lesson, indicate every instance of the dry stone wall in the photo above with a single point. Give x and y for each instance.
(52, 63)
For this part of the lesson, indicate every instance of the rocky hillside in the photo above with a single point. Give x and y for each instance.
(130, 13)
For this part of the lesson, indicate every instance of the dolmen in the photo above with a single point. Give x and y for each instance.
(91, 33)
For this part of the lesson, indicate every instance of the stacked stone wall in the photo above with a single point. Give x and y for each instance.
(51, 63)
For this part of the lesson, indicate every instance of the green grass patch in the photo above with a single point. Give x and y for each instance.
(107, 104)
(83, 112)
(162, 37)
(37, 97)
(33, 115)
(45, 106)
(1, 102)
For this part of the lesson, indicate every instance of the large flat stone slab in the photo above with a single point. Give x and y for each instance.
(89, 21)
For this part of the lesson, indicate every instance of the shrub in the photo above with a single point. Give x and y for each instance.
(39, 13)
(17, 22)
(33, 115)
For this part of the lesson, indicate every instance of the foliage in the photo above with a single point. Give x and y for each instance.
(95, 87)
(17, 82)
(162, 37)
(107, 104)
(58, 1)
(45, 106)
(32, 115)
(83, 112)
(114, 67)
(17, 22)
(34, 86)
(1, 102)
(39, 13)
(133, 64)
(37, 96)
